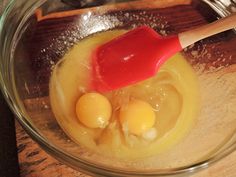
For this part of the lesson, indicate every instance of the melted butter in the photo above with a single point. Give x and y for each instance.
(172, 93)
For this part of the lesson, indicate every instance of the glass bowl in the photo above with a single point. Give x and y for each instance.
(35, 34)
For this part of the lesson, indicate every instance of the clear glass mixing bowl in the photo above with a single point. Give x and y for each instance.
(35, 34)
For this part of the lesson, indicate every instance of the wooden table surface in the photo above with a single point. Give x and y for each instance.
(35, 162)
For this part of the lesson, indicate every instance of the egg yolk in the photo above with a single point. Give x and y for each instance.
(137, 117)
(93, 110)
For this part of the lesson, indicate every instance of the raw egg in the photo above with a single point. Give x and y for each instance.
(137, 117)
(93, 110)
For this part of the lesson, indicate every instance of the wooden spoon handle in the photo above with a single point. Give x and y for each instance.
(189, 37)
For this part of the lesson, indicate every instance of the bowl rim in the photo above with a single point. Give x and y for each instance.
(85, 165)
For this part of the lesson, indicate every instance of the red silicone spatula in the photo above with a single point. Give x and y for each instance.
(138, 54)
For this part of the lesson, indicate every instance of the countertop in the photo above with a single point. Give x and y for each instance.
(32, 161)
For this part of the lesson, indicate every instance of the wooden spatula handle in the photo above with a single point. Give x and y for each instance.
(189, 37)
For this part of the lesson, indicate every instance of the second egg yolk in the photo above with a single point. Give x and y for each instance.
(137, 117)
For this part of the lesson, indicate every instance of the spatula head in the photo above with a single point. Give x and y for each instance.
(130, 58)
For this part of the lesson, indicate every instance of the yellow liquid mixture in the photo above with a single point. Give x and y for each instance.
(172, 95)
